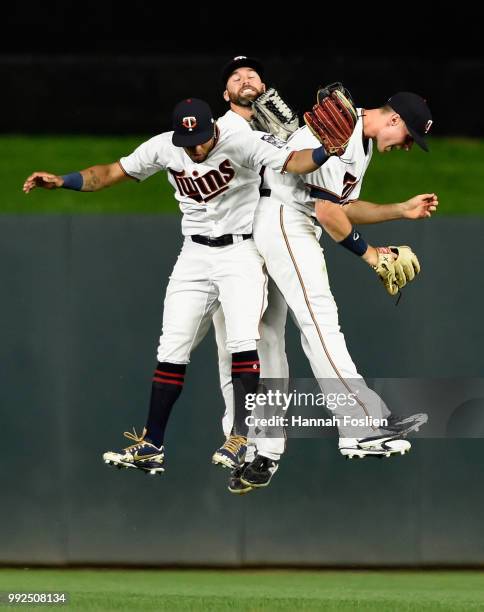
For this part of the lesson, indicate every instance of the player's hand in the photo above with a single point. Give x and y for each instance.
(420, 207)
(371, 256)
(44, 180)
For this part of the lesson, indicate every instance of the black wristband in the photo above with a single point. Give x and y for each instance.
(355, 243)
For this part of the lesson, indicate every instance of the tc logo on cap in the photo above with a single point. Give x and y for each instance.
(190, 123)
(428, 126)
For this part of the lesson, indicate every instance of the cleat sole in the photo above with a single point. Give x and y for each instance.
(361, 454)
(255, 486)
(119, 464)
(224, 462)
(240, 491)
(151, 471)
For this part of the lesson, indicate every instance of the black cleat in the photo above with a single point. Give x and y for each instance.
(236, 486)
(259, 473)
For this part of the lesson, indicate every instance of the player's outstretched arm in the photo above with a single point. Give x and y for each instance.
(306, 161)
(419, 207)
(395, 266)
(338, 225)
(90, 179)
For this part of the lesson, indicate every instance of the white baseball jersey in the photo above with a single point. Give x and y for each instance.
(233, 122)
(337, 180)
(219, 195)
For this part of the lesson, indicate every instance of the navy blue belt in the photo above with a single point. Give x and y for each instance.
(219, 241)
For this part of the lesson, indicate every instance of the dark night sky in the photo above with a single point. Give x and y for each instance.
(151, 27)
(102, 54)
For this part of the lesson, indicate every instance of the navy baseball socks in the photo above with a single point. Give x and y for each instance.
(167, 385)
(245, 381)
(147, 452)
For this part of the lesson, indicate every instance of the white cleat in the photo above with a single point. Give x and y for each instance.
(373, 447)
(402, 426)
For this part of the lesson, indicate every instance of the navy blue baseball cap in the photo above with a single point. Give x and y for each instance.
(241, 61)
(414, 111)
(193, 123)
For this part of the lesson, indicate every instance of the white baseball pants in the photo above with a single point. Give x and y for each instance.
(288, 241)
(203, 278)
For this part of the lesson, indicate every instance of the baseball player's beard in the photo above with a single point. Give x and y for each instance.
(246, 100)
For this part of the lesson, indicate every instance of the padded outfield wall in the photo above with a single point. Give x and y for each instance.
(81, 310)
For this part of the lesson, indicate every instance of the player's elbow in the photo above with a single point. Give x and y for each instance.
(114, 173)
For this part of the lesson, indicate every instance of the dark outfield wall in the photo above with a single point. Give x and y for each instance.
(81, 308)
(133, 94)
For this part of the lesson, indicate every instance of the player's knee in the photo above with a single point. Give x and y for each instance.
(271, 337)
(238, 346)
(172, 351)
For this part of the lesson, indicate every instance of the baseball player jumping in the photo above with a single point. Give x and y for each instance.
(286, 236)
(242, 79)
(213, 172)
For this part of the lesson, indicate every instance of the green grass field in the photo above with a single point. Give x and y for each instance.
(252, 591)
(453, 170)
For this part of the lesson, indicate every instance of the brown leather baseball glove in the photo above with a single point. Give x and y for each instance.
(333, 119)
